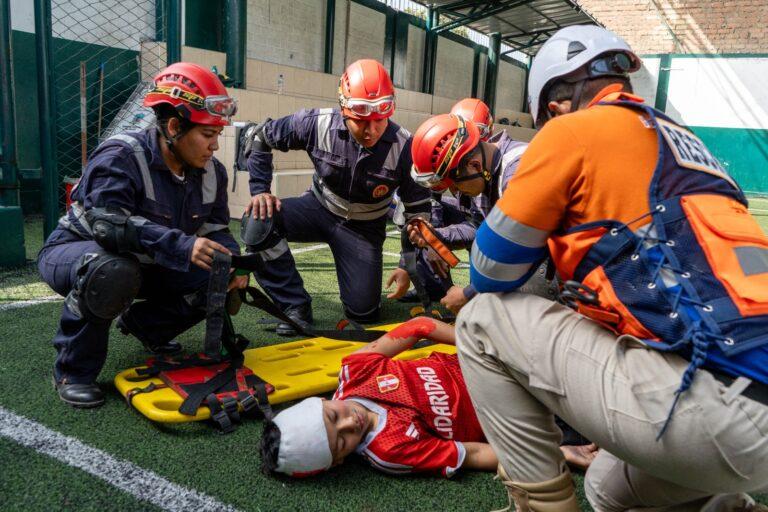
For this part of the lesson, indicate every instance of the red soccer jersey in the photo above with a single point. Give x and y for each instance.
(424, 411)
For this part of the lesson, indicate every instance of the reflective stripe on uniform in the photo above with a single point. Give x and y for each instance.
(274, 252)
(78, 214)
(416, 203)
(210, 183)
(324, 118)
(141, 160)
(516, 232)
(506, 159)
(208, 228)
(420, 215)
(397, 147)
(343, 208)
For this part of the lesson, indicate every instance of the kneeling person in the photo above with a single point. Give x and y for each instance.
(401, 416)
(148, 214)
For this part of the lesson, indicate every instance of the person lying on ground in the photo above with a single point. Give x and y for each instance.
(401, 416)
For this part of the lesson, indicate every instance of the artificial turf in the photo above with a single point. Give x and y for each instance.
(192, 455)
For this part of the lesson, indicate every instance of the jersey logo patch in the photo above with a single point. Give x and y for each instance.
(387, 383)
(691, 153)
(412, 431)
(380, 191)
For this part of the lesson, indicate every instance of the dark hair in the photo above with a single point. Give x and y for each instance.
(164, 113)
(269, 447)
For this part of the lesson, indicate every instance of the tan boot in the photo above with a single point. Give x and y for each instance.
(556, 495)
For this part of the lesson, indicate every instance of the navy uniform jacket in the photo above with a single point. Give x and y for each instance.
(128, 171)
(350, 181)
(475, 209)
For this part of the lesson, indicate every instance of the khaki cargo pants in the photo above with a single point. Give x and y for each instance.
(525, 358)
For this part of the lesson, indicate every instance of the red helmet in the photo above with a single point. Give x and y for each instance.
(196, 93)
(437, 148)
(366, 91)
(477, 111)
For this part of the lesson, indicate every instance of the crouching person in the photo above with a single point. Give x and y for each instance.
(401, 416)
(148, 214)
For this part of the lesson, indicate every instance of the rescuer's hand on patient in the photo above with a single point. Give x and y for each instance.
(414, 235)
(454, 299)
(402, 282)
(263, 205)
(202, 252)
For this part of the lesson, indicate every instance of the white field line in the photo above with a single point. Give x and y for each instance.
(31, 302)
(140, 483)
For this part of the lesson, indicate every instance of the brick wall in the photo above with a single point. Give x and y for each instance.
(686, 26)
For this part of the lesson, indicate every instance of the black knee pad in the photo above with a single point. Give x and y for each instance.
(106, 285)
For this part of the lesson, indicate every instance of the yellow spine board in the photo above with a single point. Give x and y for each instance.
(297, 369)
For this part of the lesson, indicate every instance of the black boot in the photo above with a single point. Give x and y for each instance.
(301, 315)
(82, 396)
(128, 327)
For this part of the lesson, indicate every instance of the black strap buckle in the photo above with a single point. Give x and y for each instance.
(248, 401)
(575, 292)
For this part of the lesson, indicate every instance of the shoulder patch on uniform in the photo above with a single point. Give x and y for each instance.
(690, 152)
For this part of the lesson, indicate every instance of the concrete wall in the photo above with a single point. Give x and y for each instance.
(274, 90)
(686, 26)
(415, 58)
(287, 32)
(366, 34)
(510, 87)
(453, 73)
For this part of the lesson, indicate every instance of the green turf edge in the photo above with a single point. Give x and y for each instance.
(31, 482)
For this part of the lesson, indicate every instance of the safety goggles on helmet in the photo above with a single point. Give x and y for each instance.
(429, 180)
(433, 179)
(613, 64)
(365, 108)
(221, 106)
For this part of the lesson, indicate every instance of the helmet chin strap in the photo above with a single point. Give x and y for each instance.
(169, 142)
(486, 155)
(488, 151)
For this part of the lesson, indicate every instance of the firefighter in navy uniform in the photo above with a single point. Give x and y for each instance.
(148, 214)
(360, 159)
(456, 216)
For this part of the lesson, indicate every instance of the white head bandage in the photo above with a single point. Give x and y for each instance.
(304, 448)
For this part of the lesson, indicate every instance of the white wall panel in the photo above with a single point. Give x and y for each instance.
(719, 92)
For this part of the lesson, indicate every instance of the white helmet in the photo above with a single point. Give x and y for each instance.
(569, 50)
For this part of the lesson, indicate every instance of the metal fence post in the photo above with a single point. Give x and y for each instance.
(173, 32)
(330, 22)
(492, 70)
(47, 112)
(12, 251)
(235, 17)
(9, 186)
